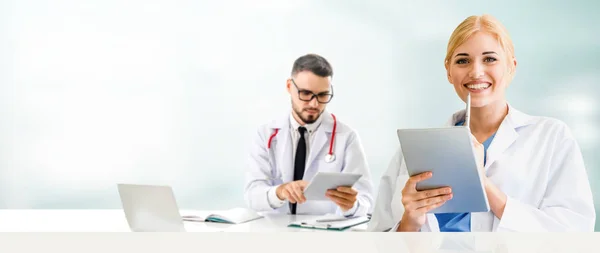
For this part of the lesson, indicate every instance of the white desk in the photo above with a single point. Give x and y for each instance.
(113, 220)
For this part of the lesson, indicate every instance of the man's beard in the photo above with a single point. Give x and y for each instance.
(308, 119)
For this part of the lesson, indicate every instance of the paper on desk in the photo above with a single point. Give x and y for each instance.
(336, 221)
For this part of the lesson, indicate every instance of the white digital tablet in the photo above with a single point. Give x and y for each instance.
(324, 181)
(448, 154)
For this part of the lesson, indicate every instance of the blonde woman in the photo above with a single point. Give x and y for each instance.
(535, 178)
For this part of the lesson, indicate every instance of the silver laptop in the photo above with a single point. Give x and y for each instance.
(150, 208)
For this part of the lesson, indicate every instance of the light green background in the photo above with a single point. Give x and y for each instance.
(93, 93)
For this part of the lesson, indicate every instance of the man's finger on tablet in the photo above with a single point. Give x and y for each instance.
(346, 189)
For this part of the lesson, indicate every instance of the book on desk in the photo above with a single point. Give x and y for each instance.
(231, 216)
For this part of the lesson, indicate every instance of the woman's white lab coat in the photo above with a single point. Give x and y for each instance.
(270, 167)
(535, 161)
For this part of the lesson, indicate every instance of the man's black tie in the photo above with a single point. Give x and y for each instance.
(299, 162)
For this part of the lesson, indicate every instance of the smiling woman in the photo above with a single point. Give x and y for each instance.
(484, 64)
(535, 178)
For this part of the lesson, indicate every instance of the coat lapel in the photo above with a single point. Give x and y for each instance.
(322, 137)
(282, 144)
(505, 136)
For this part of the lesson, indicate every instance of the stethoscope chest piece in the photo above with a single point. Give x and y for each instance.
(329, 158)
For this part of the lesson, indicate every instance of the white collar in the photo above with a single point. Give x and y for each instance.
(514, 118)
(310, 127)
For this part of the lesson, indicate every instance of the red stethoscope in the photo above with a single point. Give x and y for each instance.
(330, 157)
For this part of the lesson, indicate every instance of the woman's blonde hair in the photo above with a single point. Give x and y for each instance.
(484, 23)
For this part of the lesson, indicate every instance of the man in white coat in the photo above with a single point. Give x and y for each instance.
(287, 152)
(533, 171)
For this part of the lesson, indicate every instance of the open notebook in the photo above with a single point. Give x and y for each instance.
(233, 216)
(330, 222)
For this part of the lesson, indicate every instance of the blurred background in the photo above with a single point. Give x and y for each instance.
(95, 93)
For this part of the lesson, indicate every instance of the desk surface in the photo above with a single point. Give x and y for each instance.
(113, 220)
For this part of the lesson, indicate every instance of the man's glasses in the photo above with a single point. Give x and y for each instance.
(306, 95)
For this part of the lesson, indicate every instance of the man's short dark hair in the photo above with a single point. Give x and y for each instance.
(313, 63)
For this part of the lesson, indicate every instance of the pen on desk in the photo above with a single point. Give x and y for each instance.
(304, 224)
(337, 219)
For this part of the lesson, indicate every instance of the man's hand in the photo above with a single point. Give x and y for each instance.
(292, 191)
(344, 197)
